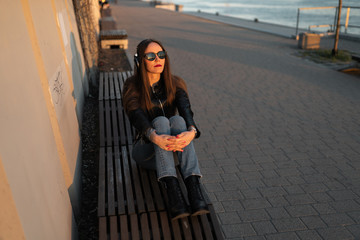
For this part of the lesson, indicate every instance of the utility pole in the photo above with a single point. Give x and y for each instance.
(335, 50)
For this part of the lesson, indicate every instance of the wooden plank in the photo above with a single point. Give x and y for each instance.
(127, 180)
(111, 86)
(115, 122)
(113, 228)
(206, 226)
(117, 86)
(121, 125)
(147, 191)
(145, 233)
(154, 226)
(102, 123)
(121, 81)
(124, 232)
(106, 83)
(186, 228)
(108, 123)
(159, 201)
(196, 228)
(102, 228)
(215, 223)
(119, 182)
(136, 183)
(101, 86)
(134, 227)
(128, 128)
(110, 182)
(176, 229)
(165, 225)
(102, 183)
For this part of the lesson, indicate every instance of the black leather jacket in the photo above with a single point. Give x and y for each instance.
(141, 119)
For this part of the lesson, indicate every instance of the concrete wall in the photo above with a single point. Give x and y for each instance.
(43, 85)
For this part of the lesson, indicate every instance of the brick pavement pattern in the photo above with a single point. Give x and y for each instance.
(280, 144)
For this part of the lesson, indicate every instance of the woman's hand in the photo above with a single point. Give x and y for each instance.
(182, 140)
(173, 143)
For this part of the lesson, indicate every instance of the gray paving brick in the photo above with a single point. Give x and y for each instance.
(345, 206)
(300, 199)
(321, 197)
(218, 207)
(276, 182)
(228, 195)
(255, 203)
(255, 238)
(230, 168)
(250, 175)
(309, 235)
(278, 213)
(238, 230)
(301, 210)
(229, 217)
(211, 178)
(283, 236)
(294, 189)
(296, 179)
(355, 230)
(355, 216)
(342, 195)
(324, 208)
(278, 201)
(268, 173)
(337, 219)
(313, 222)
(335, 233)
(334, 185)
(264, 227)
(253, 215)
(314, 187)
(232, 206)
(289, 224)
(251, 193)
(213, 187)
(234, 185)
(255, 183)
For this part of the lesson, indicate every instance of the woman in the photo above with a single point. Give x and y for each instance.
(152, 96)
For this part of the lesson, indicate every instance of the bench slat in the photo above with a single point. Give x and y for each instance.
(165, 225)
(119, 182)
(196, 225)
(102, 123)
(154, 226)
(115, 123)
(145, 226)
(102, 228)
(127, 180)
(106, 83)
(117, 86)
(110, 181)
(137, 184)
(111, 86)
(124, 227)
(185, 225)
(215, 223)
(121, 120)
(134, 227)
(206, 226)
(113, 228)
(147, 191)
(108, 123)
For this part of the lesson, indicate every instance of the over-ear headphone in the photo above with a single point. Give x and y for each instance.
(136, 60)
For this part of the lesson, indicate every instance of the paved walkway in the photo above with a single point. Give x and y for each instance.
(280, 145)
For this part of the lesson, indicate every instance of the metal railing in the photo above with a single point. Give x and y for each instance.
(331, 26)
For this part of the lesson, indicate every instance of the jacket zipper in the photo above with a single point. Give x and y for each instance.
(161, 105)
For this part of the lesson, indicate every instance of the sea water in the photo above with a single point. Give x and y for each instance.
(282, 12)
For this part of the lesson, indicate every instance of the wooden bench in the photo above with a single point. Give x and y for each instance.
(131, 202)
(114, 38)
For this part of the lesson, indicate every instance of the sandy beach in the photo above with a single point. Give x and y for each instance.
(280, 146)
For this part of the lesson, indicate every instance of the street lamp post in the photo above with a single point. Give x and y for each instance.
(335, 49)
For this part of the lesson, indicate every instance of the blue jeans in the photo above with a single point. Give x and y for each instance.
(150, 156)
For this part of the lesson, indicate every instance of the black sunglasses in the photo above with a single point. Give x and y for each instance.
(152, 56)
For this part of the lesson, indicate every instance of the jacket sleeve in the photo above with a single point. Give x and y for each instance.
(183, 105)
(139, 120)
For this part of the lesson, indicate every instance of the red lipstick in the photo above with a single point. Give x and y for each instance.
(158, 65)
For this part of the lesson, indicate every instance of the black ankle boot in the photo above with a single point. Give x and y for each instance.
(197, 201)
(177, 204)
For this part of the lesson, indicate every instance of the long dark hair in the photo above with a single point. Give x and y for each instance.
(136, 91)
